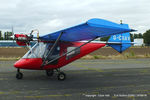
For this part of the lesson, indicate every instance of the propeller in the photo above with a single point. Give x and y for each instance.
(24, 39)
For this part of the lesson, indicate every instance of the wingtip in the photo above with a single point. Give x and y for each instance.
(133, 30)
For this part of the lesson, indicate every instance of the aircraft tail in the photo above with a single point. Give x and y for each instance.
(120, 42)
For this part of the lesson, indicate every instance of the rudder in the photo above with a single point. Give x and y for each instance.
(120, 42)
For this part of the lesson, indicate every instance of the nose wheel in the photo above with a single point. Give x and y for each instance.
(19, 75)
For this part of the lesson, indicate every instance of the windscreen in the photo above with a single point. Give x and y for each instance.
(37, 51)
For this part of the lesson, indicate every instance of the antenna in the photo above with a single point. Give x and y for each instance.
(12, 35)
(120, 21)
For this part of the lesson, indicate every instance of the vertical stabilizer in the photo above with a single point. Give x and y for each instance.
(120, 42)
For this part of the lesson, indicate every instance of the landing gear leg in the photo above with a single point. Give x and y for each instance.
(19, 75)
(61, 75)
(49, 72)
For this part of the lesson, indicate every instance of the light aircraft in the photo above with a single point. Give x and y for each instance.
(55, 50)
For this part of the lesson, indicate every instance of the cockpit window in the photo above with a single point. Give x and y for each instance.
(37, 51)
(41, 50)
(55, 53)
(73, 53)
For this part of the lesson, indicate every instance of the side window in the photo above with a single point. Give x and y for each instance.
(55, 53)
(73, 53)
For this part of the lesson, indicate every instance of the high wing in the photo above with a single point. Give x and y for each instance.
(91, 29)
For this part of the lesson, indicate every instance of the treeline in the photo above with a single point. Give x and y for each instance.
(135, 36)
(132, 36)
(145, 36)
(5, 36)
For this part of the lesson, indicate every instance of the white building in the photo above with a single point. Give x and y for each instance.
(139, 42)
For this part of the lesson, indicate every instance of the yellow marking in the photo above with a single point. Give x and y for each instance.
(95, 92)
(114, 97)
(141, 90)
(14, 92)
(34, 96)
(2, 92)
(148, 93)
(144, 71)
(95, 69)
(110, 87)
(44, 96)
(145, 90)
(67, 95)
(3, 79)
(133, 98)
(131, 61)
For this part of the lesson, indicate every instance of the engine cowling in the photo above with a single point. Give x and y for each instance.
(23, 39)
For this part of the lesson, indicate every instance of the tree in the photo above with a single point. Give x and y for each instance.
(140, 35)
(104, 38)
(132, 37)
(7, 35)
(0, 35)
(135, 36)
(146, 37)
(1, 38)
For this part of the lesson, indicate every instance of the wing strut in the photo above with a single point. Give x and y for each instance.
(52, 49)
(69, 52)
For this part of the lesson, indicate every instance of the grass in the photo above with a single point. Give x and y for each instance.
(9, 58)
(127, 55)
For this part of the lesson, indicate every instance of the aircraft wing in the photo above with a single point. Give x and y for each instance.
(92, 28)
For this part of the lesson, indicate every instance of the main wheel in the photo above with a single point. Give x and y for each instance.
(61, 76)
(49, 72)
(19, 75)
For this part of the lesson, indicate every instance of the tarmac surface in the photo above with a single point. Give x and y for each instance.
(86, 80)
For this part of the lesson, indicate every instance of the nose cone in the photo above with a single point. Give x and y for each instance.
(33, 63)
(17, 64)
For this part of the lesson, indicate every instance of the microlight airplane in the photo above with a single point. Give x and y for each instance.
(55, 50)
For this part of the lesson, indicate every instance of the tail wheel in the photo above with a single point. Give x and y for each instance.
(19, 75)
(61, 76)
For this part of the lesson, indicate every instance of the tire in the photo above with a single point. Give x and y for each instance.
(49, 72)
(19, 75)
(61, 76)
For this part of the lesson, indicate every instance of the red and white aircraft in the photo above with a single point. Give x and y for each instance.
(55, 50)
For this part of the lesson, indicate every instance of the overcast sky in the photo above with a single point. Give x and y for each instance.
(52, 15)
